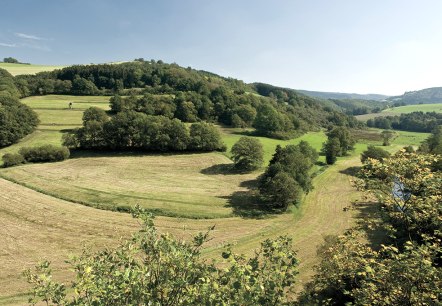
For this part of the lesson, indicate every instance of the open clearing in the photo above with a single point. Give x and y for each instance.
(16, 69)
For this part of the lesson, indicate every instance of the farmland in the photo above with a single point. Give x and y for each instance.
(395, 111)
(437, 107)
(17, 69)
(188, 192)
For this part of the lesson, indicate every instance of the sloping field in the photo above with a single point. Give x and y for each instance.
(38, 226)
(437, 107)
(394, 111)
(56, 118)
(16, 69)
(184, 185)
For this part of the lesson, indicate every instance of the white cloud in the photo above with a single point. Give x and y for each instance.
(8, 45)
(27, 36)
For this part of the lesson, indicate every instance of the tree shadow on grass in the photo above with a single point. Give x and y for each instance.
(369, 217)
(248, 204)
(352, 171)
(224, 169)
(78, 153)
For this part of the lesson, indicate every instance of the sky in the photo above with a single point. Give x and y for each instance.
(356, 46)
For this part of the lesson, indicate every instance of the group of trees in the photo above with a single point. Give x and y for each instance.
(405, 268)
(339, 142)
(16, 119)
(288, 175)
(157, 269)
(130, 130)
(413, 122)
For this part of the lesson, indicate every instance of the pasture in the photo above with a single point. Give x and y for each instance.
(188, 193)
(17, 69)
(437, 107)
(395, 111)
(39, 226)
(56, 118)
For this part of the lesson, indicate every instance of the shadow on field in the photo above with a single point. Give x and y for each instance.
(247, 204)
(369, 218)
(224, 169)
(97, 153)
(352, 171)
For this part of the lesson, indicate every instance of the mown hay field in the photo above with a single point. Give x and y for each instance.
(17, 69)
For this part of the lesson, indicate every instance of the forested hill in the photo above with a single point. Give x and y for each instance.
(190, 95)
(340, 95)
(424, 96)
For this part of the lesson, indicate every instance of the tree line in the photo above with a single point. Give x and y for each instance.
(16, 119)
(413, 122)
(131, 130)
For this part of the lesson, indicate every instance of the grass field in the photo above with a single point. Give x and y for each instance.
(416, 108)
(38, 225)
(56, 118)
(394, 111)
(16, 69)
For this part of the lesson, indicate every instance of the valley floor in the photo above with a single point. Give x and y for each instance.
(36, 226)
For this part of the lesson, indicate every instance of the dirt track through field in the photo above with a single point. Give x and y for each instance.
(36, 226)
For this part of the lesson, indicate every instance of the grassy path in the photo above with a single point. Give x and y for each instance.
(38, 226)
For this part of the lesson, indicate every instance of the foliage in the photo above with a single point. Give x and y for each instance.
(424, 96)
(414, 122)
(339, 142)
(374, 153)
(410, 192)
(10, 60)
(355, 274)
(434, 143)
(95, 114)
(157, 269)
(16, 119)
(205, 137)
(247, 154)
(12, 159)
(405, 270)
(45, 153)
(288, 174)
(387, 137)
(156, 88)
(138, 131)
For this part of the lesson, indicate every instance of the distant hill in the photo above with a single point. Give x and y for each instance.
(424, 96)
(340, 95)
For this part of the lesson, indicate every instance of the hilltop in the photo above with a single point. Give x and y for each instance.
(423, 96)
(341, 95)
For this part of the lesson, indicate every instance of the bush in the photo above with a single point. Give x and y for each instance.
(46, 153)
(248, 154)
(11, 159)
(374, 153)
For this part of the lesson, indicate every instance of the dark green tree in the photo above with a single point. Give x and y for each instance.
(247, 154)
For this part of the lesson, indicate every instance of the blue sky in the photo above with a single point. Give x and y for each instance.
(379, 46)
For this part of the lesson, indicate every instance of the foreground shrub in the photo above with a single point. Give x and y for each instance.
(157, 269)
(45, 153)
(12, 159)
